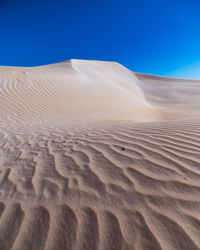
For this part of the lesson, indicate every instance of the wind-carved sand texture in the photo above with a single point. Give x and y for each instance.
(94, 156)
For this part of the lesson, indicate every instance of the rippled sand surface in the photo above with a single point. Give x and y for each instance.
(94, 156)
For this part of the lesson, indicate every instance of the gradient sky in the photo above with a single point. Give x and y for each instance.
(156, 37)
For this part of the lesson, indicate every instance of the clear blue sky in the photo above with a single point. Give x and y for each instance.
(150, 36)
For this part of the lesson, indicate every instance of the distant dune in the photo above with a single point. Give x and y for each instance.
(94, 156)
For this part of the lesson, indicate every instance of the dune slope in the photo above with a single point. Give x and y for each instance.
(94, 156)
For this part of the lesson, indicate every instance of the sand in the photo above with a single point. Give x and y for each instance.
(94, 156)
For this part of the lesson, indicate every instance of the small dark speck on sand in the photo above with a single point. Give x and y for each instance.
(122, 149)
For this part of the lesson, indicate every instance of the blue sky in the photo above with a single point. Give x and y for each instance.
(156, 37)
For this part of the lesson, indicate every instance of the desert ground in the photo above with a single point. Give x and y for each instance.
(95, 156)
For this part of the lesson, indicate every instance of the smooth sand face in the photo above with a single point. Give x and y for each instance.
(94, 156)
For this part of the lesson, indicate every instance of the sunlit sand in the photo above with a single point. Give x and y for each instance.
(94, 156)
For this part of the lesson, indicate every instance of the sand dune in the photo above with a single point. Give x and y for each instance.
(73, 90)
(94, 156)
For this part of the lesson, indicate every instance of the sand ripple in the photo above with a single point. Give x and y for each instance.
(77, 172)
(118, 187)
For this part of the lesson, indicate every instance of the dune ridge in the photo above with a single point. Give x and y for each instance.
(94, 156)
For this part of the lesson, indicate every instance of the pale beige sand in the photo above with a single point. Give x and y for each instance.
(94, 156)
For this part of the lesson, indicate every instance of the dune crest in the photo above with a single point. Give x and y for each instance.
(94, 156)
(72, 90)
